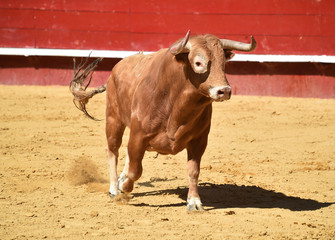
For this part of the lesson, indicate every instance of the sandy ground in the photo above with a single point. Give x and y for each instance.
(268, 173)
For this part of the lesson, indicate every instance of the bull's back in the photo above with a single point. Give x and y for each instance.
(121, 85)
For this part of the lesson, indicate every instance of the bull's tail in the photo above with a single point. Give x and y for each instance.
(83, 73)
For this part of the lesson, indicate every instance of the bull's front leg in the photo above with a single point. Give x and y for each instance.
(193, 198)
(194, 153)
(133, 166)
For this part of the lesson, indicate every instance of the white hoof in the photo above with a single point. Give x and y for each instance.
(112, 196)
(194, 204)
(113, 190)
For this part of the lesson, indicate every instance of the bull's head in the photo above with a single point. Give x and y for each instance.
(205, 63)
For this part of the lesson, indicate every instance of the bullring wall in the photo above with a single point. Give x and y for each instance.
(281, 27)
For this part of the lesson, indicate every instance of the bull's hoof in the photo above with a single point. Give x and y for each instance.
(194, 204)
(112, 195)
(113, 190)
(192, 208)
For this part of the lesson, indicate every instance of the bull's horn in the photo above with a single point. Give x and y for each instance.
(234, 45)
(181, 46)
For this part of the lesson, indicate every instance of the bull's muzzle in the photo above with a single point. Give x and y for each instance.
(220, 93)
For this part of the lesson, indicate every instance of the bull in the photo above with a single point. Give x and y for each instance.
(165, 99)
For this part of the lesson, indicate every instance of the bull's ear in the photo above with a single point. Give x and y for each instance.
(182, 46)
(228, 54)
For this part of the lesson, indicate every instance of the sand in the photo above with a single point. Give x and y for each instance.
(268, 173)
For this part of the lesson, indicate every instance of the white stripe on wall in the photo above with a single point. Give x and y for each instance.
(122, 54)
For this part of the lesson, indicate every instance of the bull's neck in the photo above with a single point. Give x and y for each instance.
(187, 106)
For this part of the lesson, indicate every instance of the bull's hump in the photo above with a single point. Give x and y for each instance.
(136, 64)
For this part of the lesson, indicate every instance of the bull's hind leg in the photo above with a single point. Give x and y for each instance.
(114, 132)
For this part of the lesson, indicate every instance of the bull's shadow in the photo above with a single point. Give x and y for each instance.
(218, 196)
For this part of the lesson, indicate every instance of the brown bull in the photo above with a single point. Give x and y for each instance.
(165, 98)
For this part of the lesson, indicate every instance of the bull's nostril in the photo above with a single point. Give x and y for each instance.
(223, 91)
(220, 92)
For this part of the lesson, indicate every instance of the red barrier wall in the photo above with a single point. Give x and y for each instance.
(316, 80)
(303, 27)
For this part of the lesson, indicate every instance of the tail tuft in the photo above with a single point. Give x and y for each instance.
(83, 73)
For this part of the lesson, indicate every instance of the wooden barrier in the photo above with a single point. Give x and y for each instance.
(281, 27)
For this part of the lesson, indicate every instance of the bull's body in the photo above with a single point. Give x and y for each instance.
(166, 100)
(153, 95)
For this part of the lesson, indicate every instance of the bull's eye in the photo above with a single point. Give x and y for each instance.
(199, 64)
